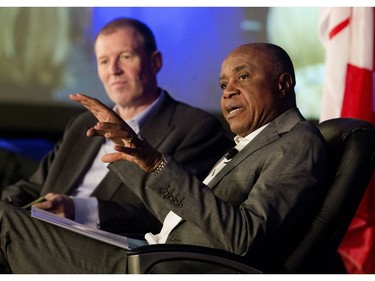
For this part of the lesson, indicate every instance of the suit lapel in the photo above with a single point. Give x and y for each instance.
(263, 139)
(107, 186)
(272, 132)
(159, 125)
(82, 155)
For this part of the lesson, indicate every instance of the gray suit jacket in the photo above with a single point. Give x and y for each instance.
(256, 205)
(195, 138)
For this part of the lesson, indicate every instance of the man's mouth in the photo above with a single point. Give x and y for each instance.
(233, 110)
(118, 83)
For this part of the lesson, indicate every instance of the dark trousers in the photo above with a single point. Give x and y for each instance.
(29, 245)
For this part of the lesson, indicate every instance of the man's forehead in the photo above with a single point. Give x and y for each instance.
(238, 62)
(247, 55)
(120, 32)
(125, 35)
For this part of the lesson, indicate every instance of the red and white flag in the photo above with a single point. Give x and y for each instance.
(349, 91)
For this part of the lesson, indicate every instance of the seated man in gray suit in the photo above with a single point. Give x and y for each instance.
(72, 178)
(254, 204)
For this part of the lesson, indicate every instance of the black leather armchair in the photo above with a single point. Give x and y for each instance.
(352, 161)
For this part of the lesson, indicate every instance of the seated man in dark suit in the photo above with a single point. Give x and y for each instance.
(254, 204)
(76, 183)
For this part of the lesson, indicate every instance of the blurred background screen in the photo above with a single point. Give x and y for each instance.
(46, 53)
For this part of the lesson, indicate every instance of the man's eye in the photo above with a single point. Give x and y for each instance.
(244, 76)
(223, 85)
(125, 57)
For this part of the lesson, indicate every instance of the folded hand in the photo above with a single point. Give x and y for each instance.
(59, 204)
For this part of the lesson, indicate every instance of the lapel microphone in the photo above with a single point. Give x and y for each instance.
(227, 156)
(230, 153)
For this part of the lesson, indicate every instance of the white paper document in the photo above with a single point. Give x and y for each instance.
(104, 236)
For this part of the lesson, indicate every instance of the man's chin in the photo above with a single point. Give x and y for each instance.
(120, 97)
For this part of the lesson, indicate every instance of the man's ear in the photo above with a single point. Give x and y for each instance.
(285, 84)
(156, 61)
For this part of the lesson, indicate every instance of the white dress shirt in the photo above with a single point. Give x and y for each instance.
(171, 220)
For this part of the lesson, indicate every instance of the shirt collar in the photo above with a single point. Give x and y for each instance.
(137, 121)
(241, 142)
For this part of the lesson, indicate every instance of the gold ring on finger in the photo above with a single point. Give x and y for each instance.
(130, 140)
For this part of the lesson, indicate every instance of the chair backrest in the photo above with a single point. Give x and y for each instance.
(351, 145)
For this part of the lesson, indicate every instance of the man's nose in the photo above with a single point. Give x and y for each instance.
(115, 67)
(230, 91)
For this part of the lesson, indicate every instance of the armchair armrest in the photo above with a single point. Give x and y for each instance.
(171, 258)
